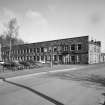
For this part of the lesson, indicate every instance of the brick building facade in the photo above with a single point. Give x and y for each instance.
(76, 50)
(102, 57)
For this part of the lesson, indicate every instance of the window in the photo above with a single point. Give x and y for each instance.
(50, 49)
(73, 47)
(79, 47)
(27, 58)
(72, 58)
(18, 51)
(42, 50)
(78, 58)
(66, 48)
(42, 58)
(34, 58)
(55, 49)
(55, 57)
(27, 50)
(59, 48)
(45, 49)
(38, 58)
(94, 48)
(38, 50)
(34, 49)
(22, 51)
(48, 57)
(30, 50)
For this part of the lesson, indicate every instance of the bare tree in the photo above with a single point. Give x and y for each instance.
(12, 32)
(9, 37)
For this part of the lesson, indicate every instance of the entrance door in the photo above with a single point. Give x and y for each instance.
(73, 59)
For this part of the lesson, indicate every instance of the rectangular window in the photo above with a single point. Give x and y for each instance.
(79, 47)
(55, 49)
(23, 51)
(42, 58)
(27, 50)
(49, 49)
(34, 58)
(38, 58)
(59, 48)
(34, 50)
(65, 48)
(78, 58)
(38, 50)
(45, 49)
(18, 51)
(48, 57)
(73, 47)
(30, 50)
(72, 58)
(42, 50)
(55, 57)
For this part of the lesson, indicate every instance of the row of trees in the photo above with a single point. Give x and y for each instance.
(10, 36)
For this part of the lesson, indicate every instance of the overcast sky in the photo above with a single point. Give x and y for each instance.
(42, 20)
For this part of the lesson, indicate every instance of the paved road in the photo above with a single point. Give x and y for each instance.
(53, 89)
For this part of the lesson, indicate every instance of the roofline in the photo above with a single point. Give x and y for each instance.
(48, 41)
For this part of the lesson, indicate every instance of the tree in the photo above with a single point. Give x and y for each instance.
(12, 32)
(10, 35)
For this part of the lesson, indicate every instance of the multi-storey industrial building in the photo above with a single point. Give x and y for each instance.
(78, 50)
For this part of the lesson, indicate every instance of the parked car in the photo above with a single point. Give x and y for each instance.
(1, 62)
(43, 62)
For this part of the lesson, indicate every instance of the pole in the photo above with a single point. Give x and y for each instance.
(51, 57)
(10, 50)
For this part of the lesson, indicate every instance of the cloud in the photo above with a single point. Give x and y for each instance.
(36, 17)
(52, 8)
(9, 13)
(31, 23)
(34, 25)
(5, 16)
(32, 14)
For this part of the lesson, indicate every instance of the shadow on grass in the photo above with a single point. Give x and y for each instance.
(36, 92)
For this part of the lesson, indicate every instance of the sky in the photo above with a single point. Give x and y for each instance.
(42, 20)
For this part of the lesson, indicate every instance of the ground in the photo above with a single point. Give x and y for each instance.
(83, 86)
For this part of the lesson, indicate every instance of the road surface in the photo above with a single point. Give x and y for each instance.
(61, 88)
